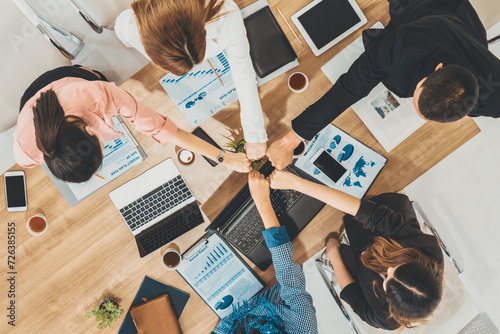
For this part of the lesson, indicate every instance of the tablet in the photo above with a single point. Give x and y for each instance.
(324, 23)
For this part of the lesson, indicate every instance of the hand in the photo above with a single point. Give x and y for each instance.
(259, 188)
(284, 180)
(255, 151)
(237, 162)
(280, 153)
(332, 245)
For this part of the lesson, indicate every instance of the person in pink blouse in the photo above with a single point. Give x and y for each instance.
(66, 115)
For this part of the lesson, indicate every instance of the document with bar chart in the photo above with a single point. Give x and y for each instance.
(199, 94)
(218, 275)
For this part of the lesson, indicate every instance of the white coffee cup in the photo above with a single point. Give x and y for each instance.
(171, 258)
(37, 224)
(298, 82)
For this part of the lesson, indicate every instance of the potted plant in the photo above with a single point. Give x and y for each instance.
(107, 312)
(239, 147)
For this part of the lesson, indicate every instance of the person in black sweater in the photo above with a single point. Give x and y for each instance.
(435, 51)
(390, 272)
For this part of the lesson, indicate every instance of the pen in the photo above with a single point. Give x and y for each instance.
(213, 69)
(293, 32)
(99, 176)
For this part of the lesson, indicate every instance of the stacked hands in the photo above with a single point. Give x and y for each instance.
(260, 186)
(280, 153)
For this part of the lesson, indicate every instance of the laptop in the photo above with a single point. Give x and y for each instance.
(239, 223)
(157, 206)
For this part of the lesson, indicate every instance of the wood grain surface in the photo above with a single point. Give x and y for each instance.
(88, 250)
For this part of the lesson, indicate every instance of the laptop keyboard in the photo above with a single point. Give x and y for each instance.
(170, 228)
(248, 231)
(155, 203)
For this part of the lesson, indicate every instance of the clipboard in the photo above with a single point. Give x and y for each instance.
(218, 274)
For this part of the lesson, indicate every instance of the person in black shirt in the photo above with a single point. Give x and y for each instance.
(433, 50)
(390, 272)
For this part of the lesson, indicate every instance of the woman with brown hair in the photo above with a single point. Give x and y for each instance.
(180, 34)
(390, 272)
(66, 115)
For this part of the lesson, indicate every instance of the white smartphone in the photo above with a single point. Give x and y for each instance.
(328, 165)
(15, 191)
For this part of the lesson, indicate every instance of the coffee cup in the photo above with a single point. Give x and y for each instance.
(171, 257)
(298, 82)
(186, 158)
(37, 224)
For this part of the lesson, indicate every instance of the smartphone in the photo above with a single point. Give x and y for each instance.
(328, 165)
(200, 133)
(15, 191)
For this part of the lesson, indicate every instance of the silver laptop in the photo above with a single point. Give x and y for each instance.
(157, 206)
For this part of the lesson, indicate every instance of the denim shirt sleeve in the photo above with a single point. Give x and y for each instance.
(275, 236)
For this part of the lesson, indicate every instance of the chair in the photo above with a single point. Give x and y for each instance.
(26, 54)
(489, 13)
(99, 12)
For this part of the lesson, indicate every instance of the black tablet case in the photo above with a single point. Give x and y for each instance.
(269, 47)
(151, 289)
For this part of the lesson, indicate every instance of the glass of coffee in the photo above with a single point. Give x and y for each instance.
(299, 150)
(298, 82)
(37, 224)
(171, 257)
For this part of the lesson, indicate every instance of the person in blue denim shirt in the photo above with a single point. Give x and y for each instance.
(286, 307)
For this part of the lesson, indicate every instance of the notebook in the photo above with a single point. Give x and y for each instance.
(269, 47)
(150, 289)
(157, 207)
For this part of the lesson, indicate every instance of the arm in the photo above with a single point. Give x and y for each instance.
(363, 75)
(233, 33)
(375, 217)
(335, 198)
(162, 129)
(234, 161)
(351, 292)
(289, 274)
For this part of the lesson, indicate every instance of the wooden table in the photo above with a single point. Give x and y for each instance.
(88, 251)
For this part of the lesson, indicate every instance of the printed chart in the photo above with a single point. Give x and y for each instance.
(199, 94)
(362, 163)
(219, 276)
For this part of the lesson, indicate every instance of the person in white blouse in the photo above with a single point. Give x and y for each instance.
(179, 34)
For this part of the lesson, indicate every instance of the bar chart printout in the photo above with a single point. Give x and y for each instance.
(199, 94)
(219, 276)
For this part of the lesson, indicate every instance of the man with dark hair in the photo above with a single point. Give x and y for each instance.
(433, 50)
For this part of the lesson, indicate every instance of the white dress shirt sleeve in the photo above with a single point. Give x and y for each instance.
(233, 32)
(127, 31)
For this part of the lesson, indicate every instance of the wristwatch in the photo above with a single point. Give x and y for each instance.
(220, 158)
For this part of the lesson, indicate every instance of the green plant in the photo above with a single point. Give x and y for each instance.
(239, 147)
(107, 312)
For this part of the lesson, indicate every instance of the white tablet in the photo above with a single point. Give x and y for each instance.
(324, 23)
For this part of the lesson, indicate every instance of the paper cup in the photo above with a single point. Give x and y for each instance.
(37, 224)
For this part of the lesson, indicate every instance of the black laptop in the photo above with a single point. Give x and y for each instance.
(240, 224)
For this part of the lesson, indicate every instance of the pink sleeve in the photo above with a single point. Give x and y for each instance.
(22, 158)
(142, 117)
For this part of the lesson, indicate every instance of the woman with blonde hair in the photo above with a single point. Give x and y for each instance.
(180, 34)
(389, 271)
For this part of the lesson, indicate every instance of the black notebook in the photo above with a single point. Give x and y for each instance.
(269, 47)
(151, 289)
